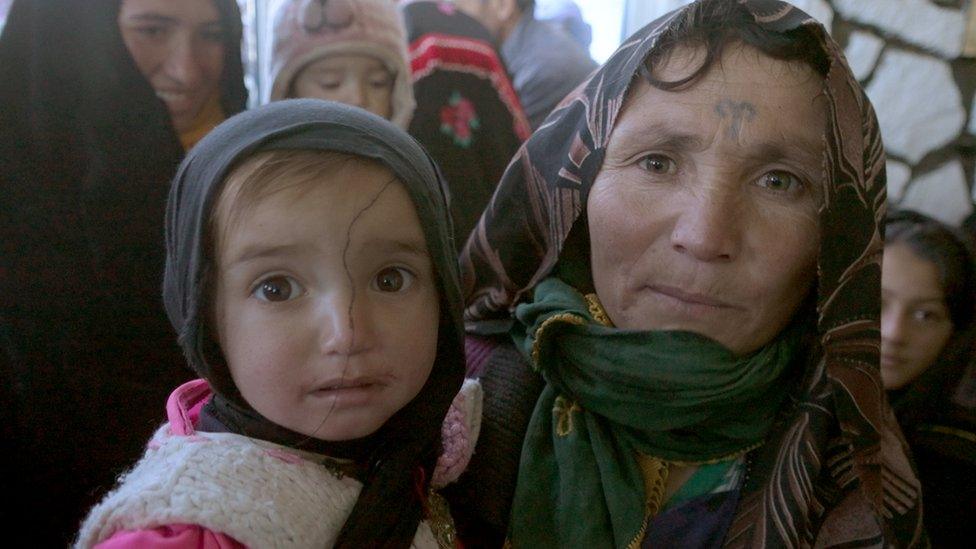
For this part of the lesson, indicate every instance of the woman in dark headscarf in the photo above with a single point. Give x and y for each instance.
(94, 123)
(691, 251)
(927, 341)
(468, 115)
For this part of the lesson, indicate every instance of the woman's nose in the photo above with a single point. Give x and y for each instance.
(182, 64)
(708, 227)
(893, 326)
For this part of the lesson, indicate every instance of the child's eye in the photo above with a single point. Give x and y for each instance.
(276, 289)
(658, 164)
(381, 80)
(393, 279)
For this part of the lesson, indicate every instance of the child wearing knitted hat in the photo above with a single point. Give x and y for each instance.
(312, 279)
(350, 51)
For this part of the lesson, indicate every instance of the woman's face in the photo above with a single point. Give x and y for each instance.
(359, 80)
(703, 217)
(915, 322)
(178, 46)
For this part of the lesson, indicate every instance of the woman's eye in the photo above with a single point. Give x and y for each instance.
(276, 289)
(393, 279)
(330, 85)
(658, 164)
(782, 181)
(923, 315)
(215, 36)
(152, 31)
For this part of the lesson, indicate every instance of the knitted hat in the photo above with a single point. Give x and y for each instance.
(308, 30)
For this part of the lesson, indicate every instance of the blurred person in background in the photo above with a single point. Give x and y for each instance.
(101, 99)
(567, 15)
(468, 113)
(349, 51)
(928, 287)
(545, 62)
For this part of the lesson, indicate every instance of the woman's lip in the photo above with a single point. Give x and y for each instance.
(177, 101)
(890, 361)
(689, 297)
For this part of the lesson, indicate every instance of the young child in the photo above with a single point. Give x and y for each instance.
(350, 51)
(312, 279)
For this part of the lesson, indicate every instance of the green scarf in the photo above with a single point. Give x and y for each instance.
(615, 398)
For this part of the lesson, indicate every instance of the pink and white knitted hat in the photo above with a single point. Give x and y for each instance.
(307, 30)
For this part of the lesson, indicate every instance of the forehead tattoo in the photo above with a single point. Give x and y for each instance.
(738, 111)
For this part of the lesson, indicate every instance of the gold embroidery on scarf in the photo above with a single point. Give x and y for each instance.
(563, 408)
(568, 318)
(655, 473)
(713, 461)
(942, 429)
(597, 310)
(440, 521)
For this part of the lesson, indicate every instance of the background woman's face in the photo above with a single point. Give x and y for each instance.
(178, 46)
(704, 215)
(915, 323)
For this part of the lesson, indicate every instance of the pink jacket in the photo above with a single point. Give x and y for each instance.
(460, 434)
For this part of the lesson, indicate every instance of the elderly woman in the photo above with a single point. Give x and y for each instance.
(98, 102)
(686, 257)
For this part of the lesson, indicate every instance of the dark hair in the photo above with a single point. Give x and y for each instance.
(713, 24)
(947, 249)
(525, 5)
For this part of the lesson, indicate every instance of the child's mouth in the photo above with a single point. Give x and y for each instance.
(349, 392)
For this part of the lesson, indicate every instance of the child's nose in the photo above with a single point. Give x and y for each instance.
(345, 327)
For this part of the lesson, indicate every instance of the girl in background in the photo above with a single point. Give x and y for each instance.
(928, 298)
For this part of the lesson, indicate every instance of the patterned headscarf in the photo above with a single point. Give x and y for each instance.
(837, 457)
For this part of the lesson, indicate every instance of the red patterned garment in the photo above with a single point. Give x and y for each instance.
(468, 115)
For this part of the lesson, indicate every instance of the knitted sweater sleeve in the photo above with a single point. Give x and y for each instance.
(175, 536)
(481, 499)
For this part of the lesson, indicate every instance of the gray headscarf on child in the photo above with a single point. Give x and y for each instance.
(389, 509)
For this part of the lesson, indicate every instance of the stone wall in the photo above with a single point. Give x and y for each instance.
(909, 56)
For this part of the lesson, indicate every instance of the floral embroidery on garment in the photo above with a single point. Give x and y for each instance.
(459, 119)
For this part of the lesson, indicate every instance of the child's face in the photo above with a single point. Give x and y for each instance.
(358, 80)
(327, 305)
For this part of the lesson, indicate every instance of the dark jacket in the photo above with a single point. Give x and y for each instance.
(86, 155)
